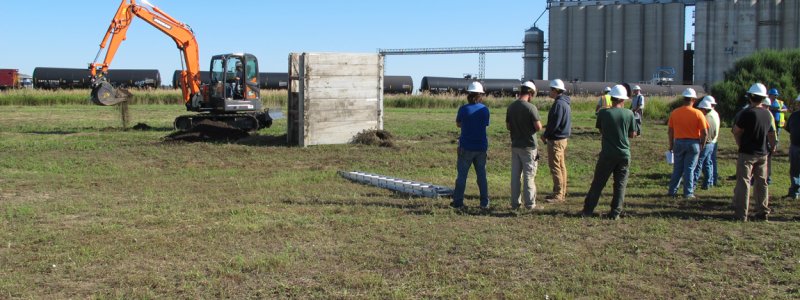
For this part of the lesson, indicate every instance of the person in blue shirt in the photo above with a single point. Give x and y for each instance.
(472, 118)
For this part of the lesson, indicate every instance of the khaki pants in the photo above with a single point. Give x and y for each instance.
(556, 151)
(524, 165)
(750, 167)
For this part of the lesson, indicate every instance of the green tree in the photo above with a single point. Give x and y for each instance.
(775, 69)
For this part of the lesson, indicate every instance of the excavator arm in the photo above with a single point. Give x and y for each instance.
(104, 94)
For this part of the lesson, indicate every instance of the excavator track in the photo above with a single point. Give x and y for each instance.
(244, 121)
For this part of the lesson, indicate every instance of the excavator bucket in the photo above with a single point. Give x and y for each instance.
(105, 94)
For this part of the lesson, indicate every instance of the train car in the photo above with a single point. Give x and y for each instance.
(274, 81)
(398, 84)
(9, 79)
(135, 78)
(205, 78)
(61, 78)
(67, 78)
(494, 87)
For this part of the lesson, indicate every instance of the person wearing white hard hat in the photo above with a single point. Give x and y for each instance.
(687, 137)
(523, 122)
(617, 126)
(472, 118)
(557, 131)
(705, 163)
(604, 101)
(793, 128)
(637, 106)
(755, 135)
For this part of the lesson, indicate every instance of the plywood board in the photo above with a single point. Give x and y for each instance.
(339, 95)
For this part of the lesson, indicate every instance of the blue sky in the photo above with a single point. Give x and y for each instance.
(67, 33)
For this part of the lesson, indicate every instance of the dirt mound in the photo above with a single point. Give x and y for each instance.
(209, 131)
(142, 127)
(374, 137)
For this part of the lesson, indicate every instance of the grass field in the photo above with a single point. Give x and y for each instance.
(88, 210)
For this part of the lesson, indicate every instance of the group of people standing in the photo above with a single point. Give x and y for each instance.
(693, 131)
(616, 124)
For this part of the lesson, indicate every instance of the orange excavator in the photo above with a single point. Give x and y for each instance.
(232, 96)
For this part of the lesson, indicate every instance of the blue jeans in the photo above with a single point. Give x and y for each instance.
(715, 177)
(794, 171)
(686, 153)
(465, 160)
(705, 164)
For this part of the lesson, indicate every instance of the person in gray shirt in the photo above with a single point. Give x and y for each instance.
(523, 121)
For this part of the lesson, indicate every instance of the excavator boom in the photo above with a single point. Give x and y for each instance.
(181, 33)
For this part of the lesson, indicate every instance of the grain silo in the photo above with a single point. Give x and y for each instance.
(726, 31)
(621, 41)
(534, 53)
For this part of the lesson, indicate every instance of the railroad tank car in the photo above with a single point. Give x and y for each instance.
(398, 84)
(205, 78)
(70, 78)
(495, 87)
(273, 81)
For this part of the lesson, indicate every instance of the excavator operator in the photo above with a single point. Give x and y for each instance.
(235, 89)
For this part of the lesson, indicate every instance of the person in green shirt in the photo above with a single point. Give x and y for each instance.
(523, 122)
(616, 125)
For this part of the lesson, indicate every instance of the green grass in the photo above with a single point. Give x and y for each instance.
(88, 210)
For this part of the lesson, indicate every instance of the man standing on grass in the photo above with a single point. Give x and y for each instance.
(559, 125)
(637, 106)
(687, 136)
(755, 136)
(793, 127)
(472, 118)
(705, 162)
(523, 121)
(616, 125)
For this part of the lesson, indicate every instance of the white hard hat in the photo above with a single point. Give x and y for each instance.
(529, 85)
(758, 89)
(475, 87)
(636, 88)
(608, 89)
(766, 102)
(710, 99)
(705, 103)
(690, 93)
(557, 84)
(797, 99)
(619, 92)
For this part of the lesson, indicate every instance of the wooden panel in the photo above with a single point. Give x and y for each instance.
(339, 93)
(343, 70)
(341, 59)
(349, 82)
(338, 132)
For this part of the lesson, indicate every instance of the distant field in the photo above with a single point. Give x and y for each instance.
(88, 210)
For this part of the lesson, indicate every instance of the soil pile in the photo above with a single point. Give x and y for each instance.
(209, 131)
(142, 127)
(374, 137)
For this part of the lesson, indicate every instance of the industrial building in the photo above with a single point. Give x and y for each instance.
(644, 40)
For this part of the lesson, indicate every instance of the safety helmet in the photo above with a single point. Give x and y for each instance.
(710, 99)
(766, 102)
(557, 84)
(608, 89)
(636, 88)
(705, 103)
(530, 86)
(758, 89)
(797, 99)
(689, 93)
(773, 92)
(619, 92)
(238, 64)
(475, 87)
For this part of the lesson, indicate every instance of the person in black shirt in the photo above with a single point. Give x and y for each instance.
(755, 137)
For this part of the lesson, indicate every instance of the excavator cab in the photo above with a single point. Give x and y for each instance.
(234, 83)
